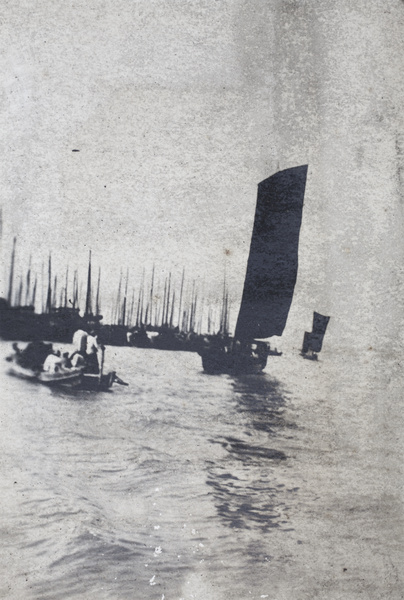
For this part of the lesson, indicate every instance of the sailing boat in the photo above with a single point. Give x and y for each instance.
(270, 277)
(313, 341)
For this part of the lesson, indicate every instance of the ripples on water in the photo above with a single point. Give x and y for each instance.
(131, 493)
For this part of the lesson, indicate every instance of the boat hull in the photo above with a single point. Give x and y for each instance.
(95, 383)
(17, 371)
(67, 377)
(217, 362)
(72, 378)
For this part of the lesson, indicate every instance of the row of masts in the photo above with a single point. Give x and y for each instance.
(156, 303)
(55, 297)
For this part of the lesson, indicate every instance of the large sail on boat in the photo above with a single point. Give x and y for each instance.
(270, 278)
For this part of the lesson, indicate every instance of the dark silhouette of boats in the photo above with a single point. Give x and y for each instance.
(313, 340)
(58, 320)
(270, 277)
(167, 321)
(23, 323)
(113, 335)
(233, 356)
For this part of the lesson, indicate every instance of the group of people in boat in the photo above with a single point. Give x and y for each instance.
(41, 356)
(228, 345)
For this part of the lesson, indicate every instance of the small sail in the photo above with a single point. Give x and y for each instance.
(273, 260)
(314, 340)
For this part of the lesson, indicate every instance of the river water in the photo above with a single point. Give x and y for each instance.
(183, 485)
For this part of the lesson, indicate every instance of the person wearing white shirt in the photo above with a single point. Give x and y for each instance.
(80, 341)
(52, 364)
(91, 353)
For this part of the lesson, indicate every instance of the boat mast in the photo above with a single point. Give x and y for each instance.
(10, 283)
(79, 291)
(142, 323)
(138, 308)
(194, 312)
(61, 296)
(43, 308)
(150, 305)
(132, 306)
(168, 299)
(49, 295)
(28, 283)
(66, 284)
(75, 290)
(209, 319)
(172, 311)
(118, 302)
(223, 314)
(88, 310)
(97, 298)
(227, 315)
(141, 300)
(164, 302)
(193, 306)
(202, 308)
(124, 298)
(34, 293)
(54, 300)
(19, 296)
(181, 292)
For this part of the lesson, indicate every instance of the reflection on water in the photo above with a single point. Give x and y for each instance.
(246, 495)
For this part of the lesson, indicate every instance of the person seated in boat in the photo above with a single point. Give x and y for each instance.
(17, 354)
(91, 357)
(65, 361)
(53, 363)
(16, 349)
(80, 341)
(34, 355)
(77, 360)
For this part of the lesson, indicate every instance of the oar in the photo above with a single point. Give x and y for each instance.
(120, 381)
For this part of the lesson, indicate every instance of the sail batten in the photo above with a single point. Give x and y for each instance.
(273, 259)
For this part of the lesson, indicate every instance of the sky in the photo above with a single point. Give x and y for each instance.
(178, 109)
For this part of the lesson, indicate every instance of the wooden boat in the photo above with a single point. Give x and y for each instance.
(72, 377)
(270, 278)
(233, 358)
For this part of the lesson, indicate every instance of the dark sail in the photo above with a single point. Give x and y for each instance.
(314, 340)
(273, 260)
